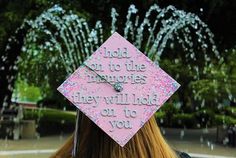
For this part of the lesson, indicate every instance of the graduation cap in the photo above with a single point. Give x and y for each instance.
(118, 88)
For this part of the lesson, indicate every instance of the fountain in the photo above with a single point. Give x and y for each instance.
(65, 40)
(73, 40)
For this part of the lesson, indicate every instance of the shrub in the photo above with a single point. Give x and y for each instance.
(184, 120)
(51, 121)
(205, 117)
(160, 116)
(169, 111)
(230, 111)
(225, 120)
(177, 120)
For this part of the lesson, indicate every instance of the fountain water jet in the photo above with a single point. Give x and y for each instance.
(67, 39)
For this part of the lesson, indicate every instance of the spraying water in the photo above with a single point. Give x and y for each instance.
(66, 40)
(73, 40)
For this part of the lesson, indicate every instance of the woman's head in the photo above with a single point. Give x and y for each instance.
(94, 143)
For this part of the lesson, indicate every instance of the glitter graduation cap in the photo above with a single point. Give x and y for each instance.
(118, 88)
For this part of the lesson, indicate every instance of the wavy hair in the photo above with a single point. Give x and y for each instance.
(148, 142)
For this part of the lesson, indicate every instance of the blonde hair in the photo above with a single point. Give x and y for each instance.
(94, 143)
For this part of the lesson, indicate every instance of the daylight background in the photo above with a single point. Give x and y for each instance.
(43, 42)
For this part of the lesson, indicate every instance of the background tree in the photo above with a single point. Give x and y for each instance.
(12, 14)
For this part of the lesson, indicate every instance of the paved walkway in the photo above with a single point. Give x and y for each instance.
(198, 143)
(28, 148)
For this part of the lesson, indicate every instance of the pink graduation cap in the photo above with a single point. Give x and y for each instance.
(118, 88)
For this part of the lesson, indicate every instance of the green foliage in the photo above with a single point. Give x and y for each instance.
(169, 111)
(52, 115)
(184, 120)
(177, 120)
(218, 84)
(48, 82)
(159, 115)
(205, 117)
(225, 120)
(230, 65)
(198, 119)
(41, 64)
(212, 87)
(51, 121)
(228, 111)
(203, 84)
(25, 92)
(12, 15)
(231, 111)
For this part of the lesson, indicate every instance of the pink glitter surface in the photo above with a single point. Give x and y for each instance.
(151, 85)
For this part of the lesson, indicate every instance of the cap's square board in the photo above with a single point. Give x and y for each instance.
(120, 114)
